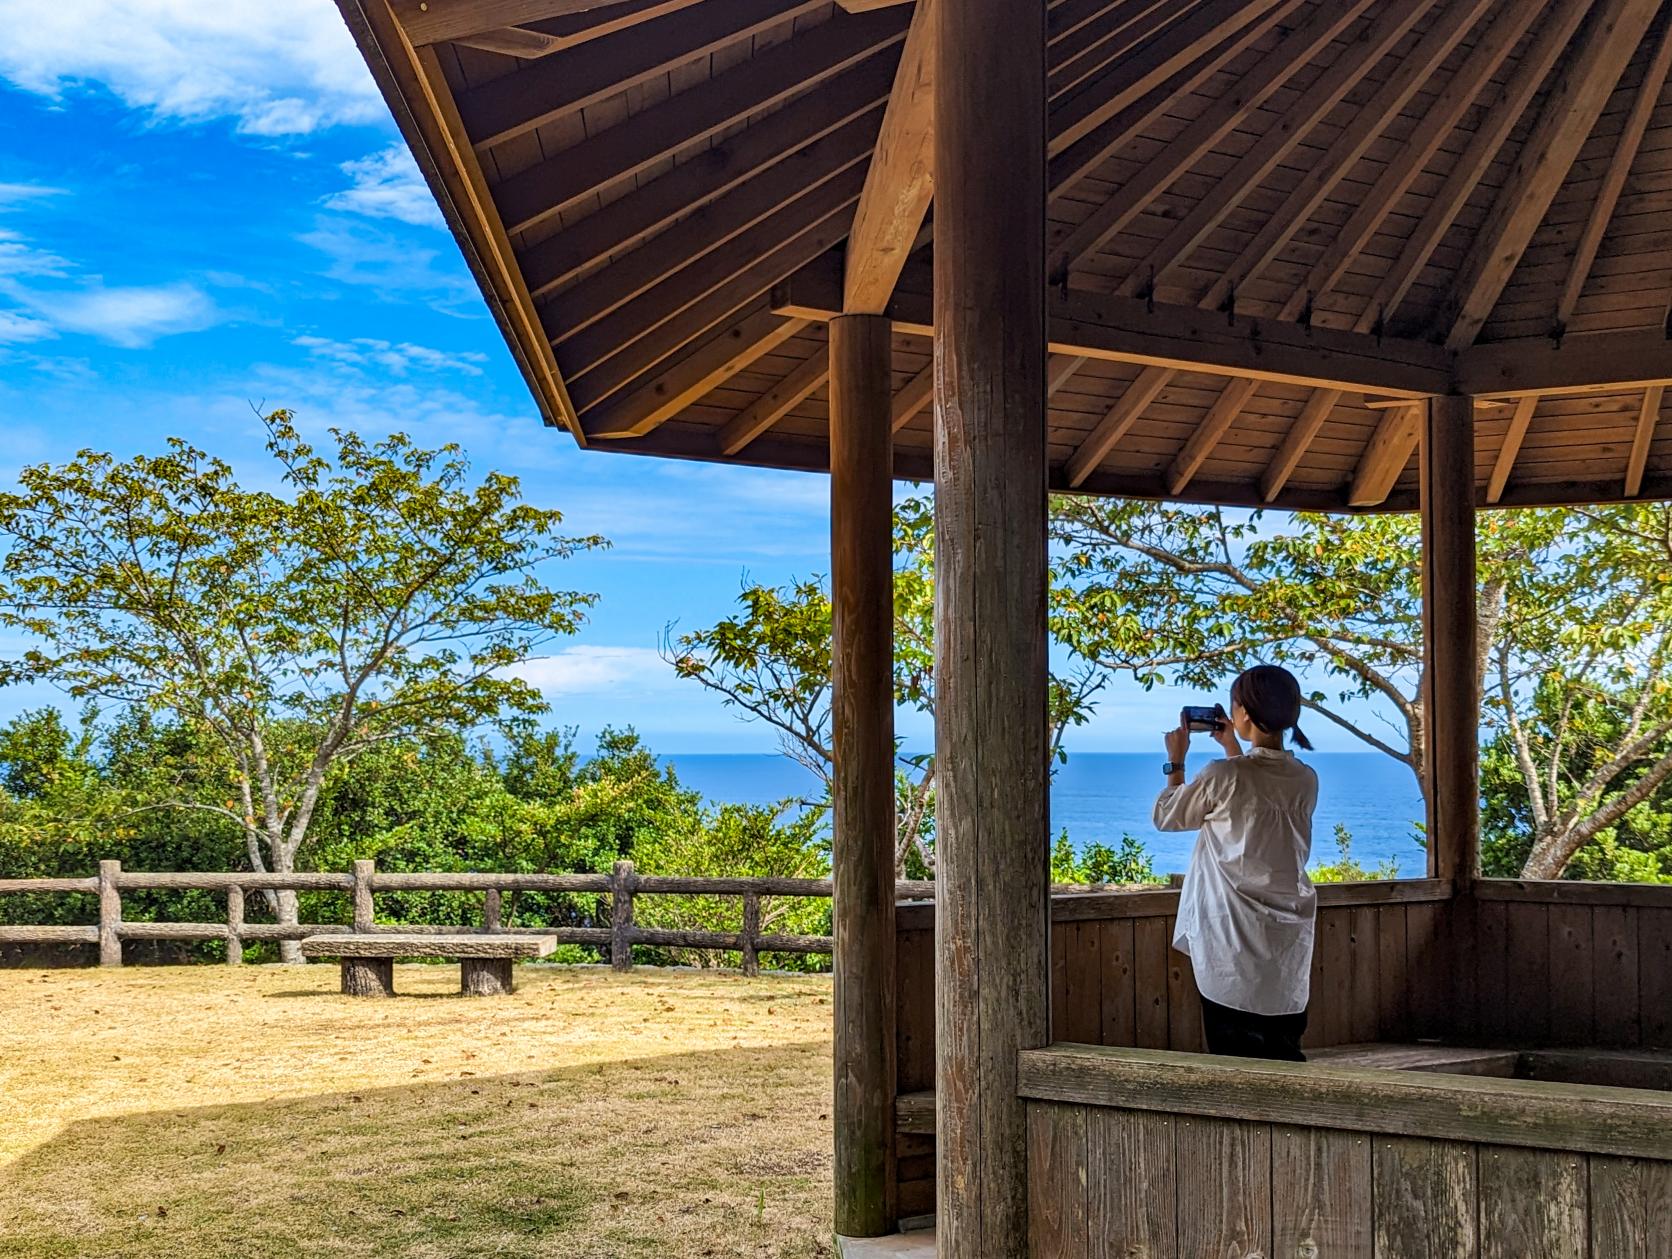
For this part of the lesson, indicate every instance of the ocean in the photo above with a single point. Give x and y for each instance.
(1100, 796)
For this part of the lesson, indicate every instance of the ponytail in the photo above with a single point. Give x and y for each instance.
(1271, 697)
(1301, 741)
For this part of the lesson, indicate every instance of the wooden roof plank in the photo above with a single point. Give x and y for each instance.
(1121, 417)
(1369, 121)
(640, 409)
(1569, 114)
(1296, 442)
(1648, 419)
(1297, 51)
(777, 402)
(1504, 464)
(1497, 121)
(1207, 436)
(1600, 211)
(913, 396)
(639, 141)
(901, 179)
(438, 21)
(558, 85)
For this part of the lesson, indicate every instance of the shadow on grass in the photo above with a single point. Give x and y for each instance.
(703, 1154)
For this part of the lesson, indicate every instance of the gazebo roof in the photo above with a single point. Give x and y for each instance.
(1273, 223)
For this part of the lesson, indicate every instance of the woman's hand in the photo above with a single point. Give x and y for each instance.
(1178, 744)
(1226, 736)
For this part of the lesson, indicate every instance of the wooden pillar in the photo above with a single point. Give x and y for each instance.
(862, 730)
(1450, 636)
(992, 877)
(750, 959)
(234, 926)
(110, 914)
(364, 915)
(623, 881)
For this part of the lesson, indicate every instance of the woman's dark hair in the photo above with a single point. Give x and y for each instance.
(1270, 696)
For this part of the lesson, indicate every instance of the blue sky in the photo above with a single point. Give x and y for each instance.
(204, 208)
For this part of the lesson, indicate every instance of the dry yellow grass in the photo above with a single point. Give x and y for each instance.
(252, 1112)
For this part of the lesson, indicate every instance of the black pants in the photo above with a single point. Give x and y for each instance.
(1244, 1035)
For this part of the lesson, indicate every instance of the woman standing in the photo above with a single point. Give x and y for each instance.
(1246, 913)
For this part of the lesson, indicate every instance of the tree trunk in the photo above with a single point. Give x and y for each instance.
(284, 903)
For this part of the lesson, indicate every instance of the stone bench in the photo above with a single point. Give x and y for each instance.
(485, 961)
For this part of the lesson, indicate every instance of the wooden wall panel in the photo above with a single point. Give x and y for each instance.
(1320, 1193)
(1532, 1202)
(1631, 1208)
(1424, 1199)
(1057, 1179)
(1224, 1174)
(1132, 1184)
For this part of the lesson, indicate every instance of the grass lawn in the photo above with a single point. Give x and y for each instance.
(252, 1111)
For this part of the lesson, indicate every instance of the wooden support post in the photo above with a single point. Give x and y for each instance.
(363, 915)
(486, 976)
(1450, 639)
(991, 898)
(234, 926)
(751, 933)
(622, 883)
(492, 910)
(368, 976)
(110, 914)
(862, 730)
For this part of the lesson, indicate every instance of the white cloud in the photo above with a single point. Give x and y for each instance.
(399, 358)
(17, 194)
(364, 256)
(132, 316)
(584, 670)
(16, 328)
(387, 185)
(274, 67)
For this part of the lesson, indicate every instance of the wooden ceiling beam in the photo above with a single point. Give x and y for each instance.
(1437, 124)
(1185, 338)
(1097, 444)
(638, 215)
(584, 342)
(516, 104)
(1297, 50)
(441, 21)
(1497, 120)
(1085, 39)
(1566, 121)
(1514, 435)
(1601, 210)
(570, 31)
(617, 363)
(1208, 434)
(1389, 451)
(900, 181)
(1625, 361)
(749, 207)
(1148, 65)
(658, 397)
(1648, 419)
(1368, 122)
(1296, 442)
(777, 402)
(794, 69)
(1078, 150)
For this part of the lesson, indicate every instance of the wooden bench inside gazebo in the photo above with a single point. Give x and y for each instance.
(1338, 255)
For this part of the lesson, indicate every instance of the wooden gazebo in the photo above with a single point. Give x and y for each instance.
(1347, 255)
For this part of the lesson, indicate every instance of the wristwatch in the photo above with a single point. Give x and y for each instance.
(1171, 768)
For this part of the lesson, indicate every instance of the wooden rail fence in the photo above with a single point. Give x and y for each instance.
(623, 885)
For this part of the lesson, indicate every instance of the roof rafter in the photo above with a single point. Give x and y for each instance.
(1569, 114)
(1614, 181)
(1296, 51)
(548, 89)
(1514, 435)
(1215, 424)
(1497, 120)
(1296, 442)
(1648, 419)
(1369, 121)
(1097, 444)
(900, 181)
(441, 21)
(777, 402)
(1384, 458)
(616, 153)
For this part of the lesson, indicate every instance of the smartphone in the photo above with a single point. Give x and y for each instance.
(1211, 719)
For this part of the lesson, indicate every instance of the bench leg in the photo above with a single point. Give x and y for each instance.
(369, 976)
(484, 976)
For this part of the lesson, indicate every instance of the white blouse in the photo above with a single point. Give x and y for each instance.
(1245, 915)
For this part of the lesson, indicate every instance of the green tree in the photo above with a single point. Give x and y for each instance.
(772, 662)
(383, 594)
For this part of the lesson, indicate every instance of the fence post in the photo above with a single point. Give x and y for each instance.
(491, 910)
(751, 932)
(363, 895)
(621, 916)
(110, 914)
(234, 926)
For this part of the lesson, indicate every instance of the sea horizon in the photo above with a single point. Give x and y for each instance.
(1098, 797)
